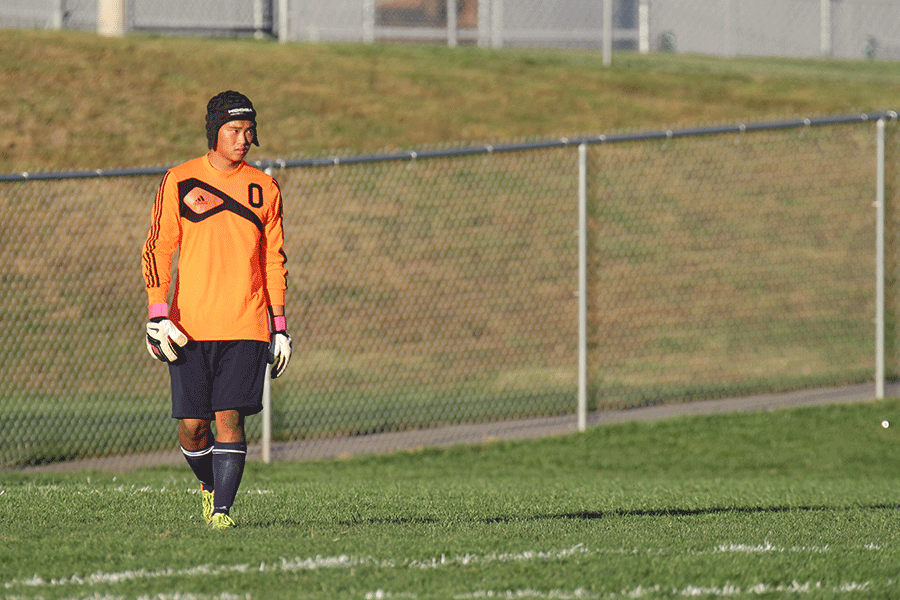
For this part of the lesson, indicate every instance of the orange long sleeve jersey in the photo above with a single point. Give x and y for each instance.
(227, 230)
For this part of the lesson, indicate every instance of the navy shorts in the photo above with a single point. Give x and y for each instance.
(215, 376)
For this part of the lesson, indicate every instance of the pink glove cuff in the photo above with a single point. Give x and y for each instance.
(279, 323)
(159, 310)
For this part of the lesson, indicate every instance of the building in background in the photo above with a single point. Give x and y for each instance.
(851, 29)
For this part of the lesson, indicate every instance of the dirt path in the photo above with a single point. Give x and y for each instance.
(385, 443)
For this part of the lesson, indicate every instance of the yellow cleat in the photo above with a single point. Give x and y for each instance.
(221, 521)
(206, 496)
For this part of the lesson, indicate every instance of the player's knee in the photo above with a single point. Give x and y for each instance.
(230, 426)
(196, 430)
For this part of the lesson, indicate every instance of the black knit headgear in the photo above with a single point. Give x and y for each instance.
(225, 107)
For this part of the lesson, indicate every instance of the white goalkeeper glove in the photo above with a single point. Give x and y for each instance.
(279, 352)
(164, 340)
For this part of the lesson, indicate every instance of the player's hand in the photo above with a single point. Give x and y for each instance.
(279, 352)
(164, 340)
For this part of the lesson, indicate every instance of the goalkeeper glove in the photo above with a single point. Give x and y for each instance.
(279, 348)
(164, 339)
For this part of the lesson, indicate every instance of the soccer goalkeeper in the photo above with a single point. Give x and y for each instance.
(227, 320)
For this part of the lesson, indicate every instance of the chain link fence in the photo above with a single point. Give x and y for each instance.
(439, 289)
(853, 29)
(733, 265)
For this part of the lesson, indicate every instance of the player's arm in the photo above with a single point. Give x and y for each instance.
(274, 257)
(280, 345)
(163, 238)
(162, 242)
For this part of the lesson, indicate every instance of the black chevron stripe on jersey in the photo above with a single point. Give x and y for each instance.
(227, 203)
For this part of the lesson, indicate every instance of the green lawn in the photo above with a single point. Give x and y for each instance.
(800, 503)
(76, 100)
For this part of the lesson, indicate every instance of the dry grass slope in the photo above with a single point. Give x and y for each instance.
(75, 100)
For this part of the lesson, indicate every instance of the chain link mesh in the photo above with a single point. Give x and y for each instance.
(432, 292)
(442, 291)
(854, 29)
(734, 264)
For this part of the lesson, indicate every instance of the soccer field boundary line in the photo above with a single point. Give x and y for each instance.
(641, 591)
(345, 561)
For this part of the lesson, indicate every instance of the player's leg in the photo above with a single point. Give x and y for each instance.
(197, 443)
(191, 405)
(228, 458)
(237, 392)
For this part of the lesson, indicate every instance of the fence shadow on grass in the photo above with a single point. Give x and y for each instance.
(598, 515)
(692, 512)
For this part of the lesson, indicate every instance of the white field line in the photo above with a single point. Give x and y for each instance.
(648, 592)
(132, 490)
(298, 564)
(639, 592)
(154, 596)
(690, 591)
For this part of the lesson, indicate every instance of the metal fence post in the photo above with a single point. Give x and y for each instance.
(582, 287)
(59, 15)
(283, 22)
(369, 21)
(484, 23)
(497, 24)
(258, 19)
(825, 28)
(644, 26)
(879, 264)
(607, 32)
(452, 33)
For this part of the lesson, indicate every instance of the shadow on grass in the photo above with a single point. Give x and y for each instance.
(693, 512)
(598, 515)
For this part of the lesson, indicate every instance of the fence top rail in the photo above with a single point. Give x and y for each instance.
(412, 155)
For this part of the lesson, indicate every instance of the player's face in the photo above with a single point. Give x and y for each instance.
(233, 142)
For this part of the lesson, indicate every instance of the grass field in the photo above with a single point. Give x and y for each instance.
(75, 100)
(789, 504)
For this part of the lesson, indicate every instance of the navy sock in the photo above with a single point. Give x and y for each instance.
(201, 463)
(228, 468)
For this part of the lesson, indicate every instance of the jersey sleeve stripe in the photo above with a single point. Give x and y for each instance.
(152, 271)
